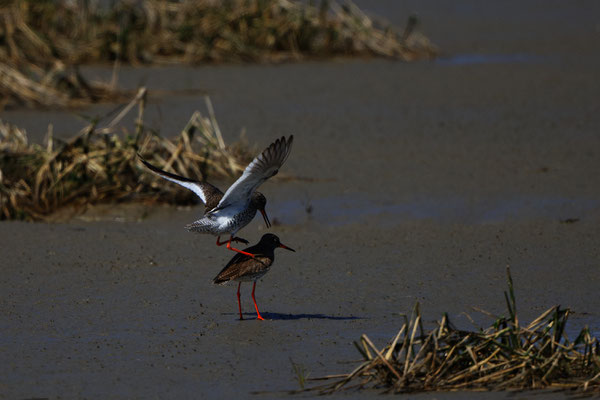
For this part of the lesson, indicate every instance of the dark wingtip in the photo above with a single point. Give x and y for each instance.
(164, 173)
(146, 163)
(142, 159)
(287, 142)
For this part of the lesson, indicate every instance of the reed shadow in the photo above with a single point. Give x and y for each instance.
(289, 317)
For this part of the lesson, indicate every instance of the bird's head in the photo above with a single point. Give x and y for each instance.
(259, 201)
(272, 240)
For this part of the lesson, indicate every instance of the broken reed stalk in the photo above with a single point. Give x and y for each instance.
(191, 31)
(41, 42)
(504, 356)
(99, 165)
(58, 86)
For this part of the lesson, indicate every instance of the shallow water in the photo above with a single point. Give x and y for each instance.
(358, 207)
(467, 59)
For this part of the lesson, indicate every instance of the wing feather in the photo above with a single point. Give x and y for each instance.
(264, 166)
(242, 266)
(204, 190)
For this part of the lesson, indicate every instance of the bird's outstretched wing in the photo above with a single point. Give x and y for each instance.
(209, 194)
(264, 166)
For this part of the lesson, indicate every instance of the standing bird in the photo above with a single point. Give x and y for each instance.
(230, 212)
(242, 268)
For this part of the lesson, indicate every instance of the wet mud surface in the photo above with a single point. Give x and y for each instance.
(425, 181)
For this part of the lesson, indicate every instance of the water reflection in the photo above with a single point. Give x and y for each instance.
(470, 59)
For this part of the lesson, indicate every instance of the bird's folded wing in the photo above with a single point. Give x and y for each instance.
(264, 166)
(203, 190)
(242, 265)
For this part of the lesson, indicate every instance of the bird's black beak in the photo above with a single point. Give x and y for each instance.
(264, 214)
(283, 246)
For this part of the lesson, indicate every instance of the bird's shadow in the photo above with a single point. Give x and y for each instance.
(283, 317)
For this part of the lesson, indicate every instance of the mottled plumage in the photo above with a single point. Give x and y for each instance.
(242, 268)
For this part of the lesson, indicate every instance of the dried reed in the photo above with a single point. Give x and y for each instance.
(41, 41)
(196, 31)
(504, 356)
(60, 87)
(99, 165)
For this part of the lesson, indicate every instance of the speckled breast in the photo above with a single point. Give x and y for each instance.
(240, 220)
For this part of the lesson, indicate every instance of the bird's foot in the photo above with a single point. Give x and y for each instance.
(239, 240)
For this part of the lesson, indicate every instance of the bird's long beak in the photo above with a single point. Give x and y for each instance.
(283, 246)
(264, 214)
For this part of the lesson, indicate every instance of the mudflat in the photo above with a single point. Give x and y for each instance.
(418, 183)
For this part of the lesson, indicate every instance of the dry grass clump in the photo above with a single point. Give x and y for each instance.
(504, 356)
(32, 73)
(192, 31)
(40, 41)
(99, 165)
(59, 86)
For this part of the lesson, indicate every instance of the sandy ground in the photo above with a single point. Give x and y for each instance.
(427, 179)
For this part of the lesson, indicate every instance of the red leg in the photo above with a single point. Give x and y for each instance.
(228, 243)
(258, 316)
(239, 251)
(239, 303)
